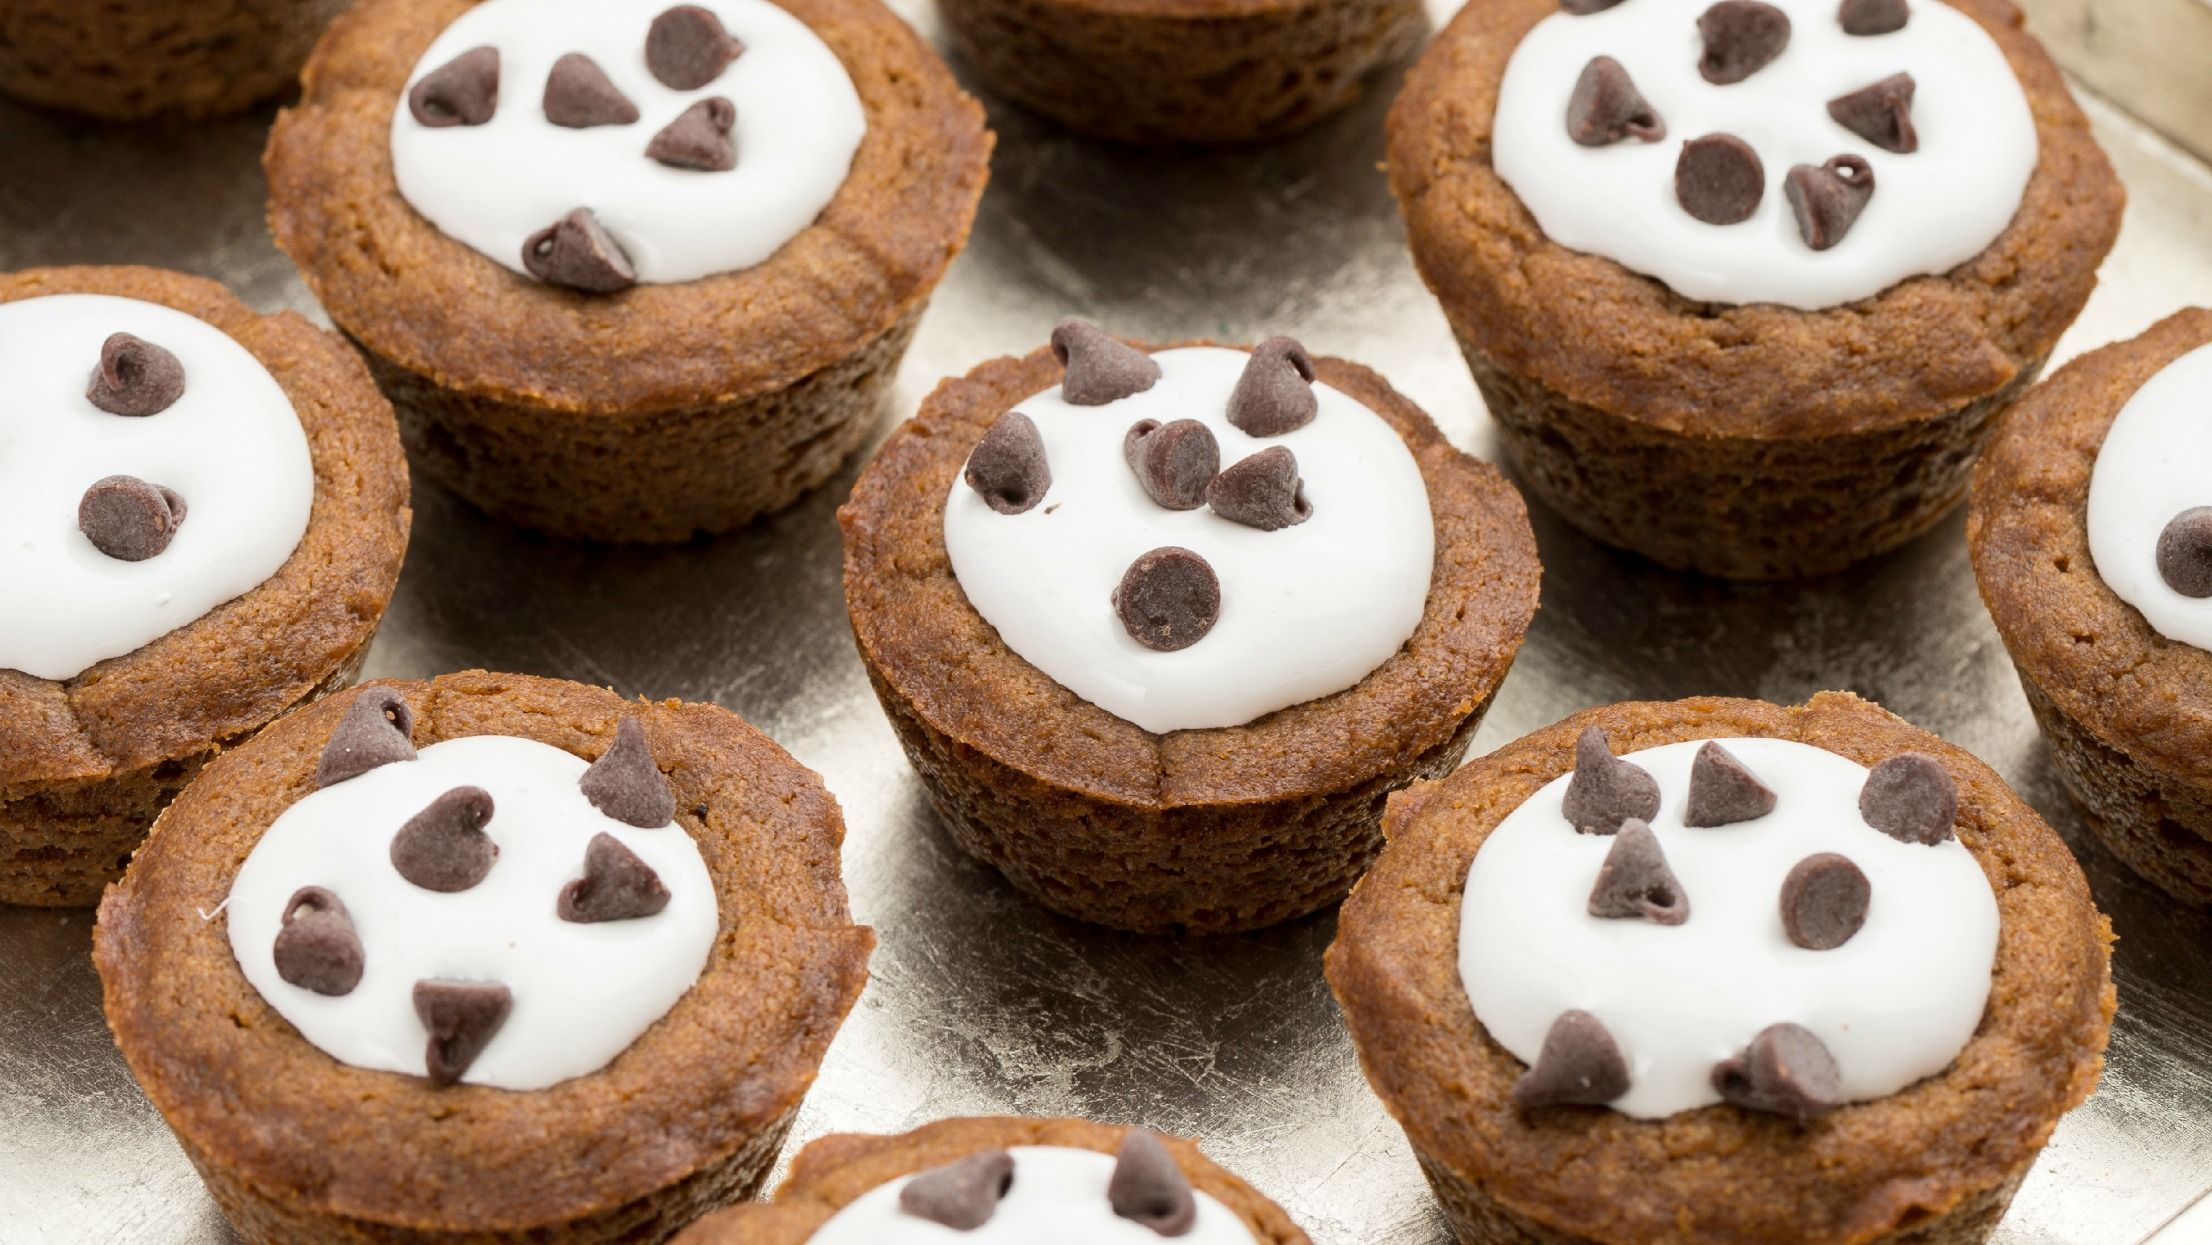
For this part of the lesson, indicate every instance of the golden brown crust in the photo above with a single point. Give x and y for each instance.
(1719, 1173)
(130, 60)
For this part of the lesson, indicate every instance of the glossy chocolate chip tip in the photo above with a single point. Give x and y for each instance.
(1635, 880)
(1100, 368)
(1605, 792)
(2185, 553)
(576, 251)
(961, 1195)
(1274, 394)
(1008, 467)
(377, 730)
(135, 377)
(1149, 1188)
(128, 519)
(1580, 1065)
(1169, 599)
(317, 947)
(1606, 107)
(626, 784)
(463, 91)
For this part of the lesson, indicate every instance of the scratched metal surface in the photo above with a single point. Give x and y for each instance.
(981, 1003)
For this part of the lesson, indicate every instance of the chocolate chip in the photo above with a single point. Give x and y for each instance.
(1169, 599)
(1719, 179)
(1723, 791)
(462, 1017)
(463, 91)
(1584, 8)
(1262, 490)
(616, 886)
(1828, 198)
(1881, 114)
(1275, 393)
(1099, 368)
(688, 48)
(1635, 881)
(444, 848)
(377, 730)
(576, 251)
(1606, 107)
(135, 377)
(626, 785)
(1742, 37)
(961, 1195)
(1174, 462)
(1824, 901)
(1008, 466)
(579, 95)
(699, 138)
(1148, 1187)
(1606, 791)
(2185, 553)
(128, 519)
(1910, 797)
(1785, 1071)
(1873, 17)
(1580, 1065)
(317, 947)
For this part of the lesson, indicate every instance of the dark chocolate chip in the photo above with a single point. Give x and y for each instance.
(1584, 8)
(135, 377)
(317, 947)
(2185, 553)
(626, 785)
(1606, 107)
(1785, 1071)
(1579, 1066)
(1149, 1187)
(1824, 901)
(377, 730)
(444, 848)
(1275, 393)
(1008, 466)
(687, 48)
(579, 95)
(463, 91)
(1605, 790)
(1635, 881)
(576, 251)
(1828, 198)
(961, 1195)
(1910, 797)
(1262, 490)
(1873, 17)
(1719, 179)
(462, 1017)
(128, 519)
(1174, 462)
(1723, 791)
(699, 138)
(1742, 37)
(1881, 114)
(1099, 368)
(1169, 599)
(616, 886)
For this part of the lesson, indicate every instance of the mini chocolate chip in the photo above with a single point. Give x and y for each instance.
(576, 251)
(377, 730)
(1099, 368)
(1873, 17)
(1584, 8)
(1635, 881)
(1169, 599)
(1606, 107)
(1174, 462)
(961, 1195)
(463, 91)
(1723, 791)
(1148, 1187)
(1785, 1071)
(687, 47)
(699, 138)
(1606, 791)
(1275, 394)
(1742, 37)
(1824, 901)
(1719, 179)
(317, 947)
(1579, 1066)
(579, 95)
(626, 785)
(135, 377)
(2185, 553)
(128, 519)
(1828, 198)
(1008, 466)
(616, 886)
(444, 848)
(462, 1017)
(1262, 490)
(1881, 114)
(1910, 797)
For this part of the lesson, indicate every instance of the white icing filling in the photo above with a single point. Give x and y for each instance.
(2150, 469)
(1895, 1004)
(231, 446)
(799, 121)
(1305, 611)
(1932, 210)
(1058, 1195)
(582, 992)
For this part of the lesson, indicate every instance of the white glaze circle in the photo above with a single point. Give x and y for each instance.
(1932, 210)
(1306, 611)
(582, 992)
(1058, 1195)
(1895, 1004)
(231, 446)
(2150, 469)
(799, 121)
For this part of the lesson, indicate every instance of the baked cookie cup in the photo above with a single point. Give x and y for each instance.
(628, 274)
(559, 1001)
(1086, 1182)
(198, 539)
(1752, 314)
(1666, 1031)
(132, 60)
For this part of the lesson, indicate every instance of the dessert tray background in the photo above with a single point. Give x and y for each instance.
(981, 1002)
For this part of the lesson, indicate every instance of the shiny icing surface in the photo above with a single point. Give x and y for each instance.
(1058, 1195)
(2150, 469)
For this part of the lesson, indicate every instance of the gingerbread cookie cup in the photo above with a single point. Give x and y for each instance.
(658, 410)
(131, 60)
(1934, 1163)
(88, 760)
(297, 1145)
(1752, 440)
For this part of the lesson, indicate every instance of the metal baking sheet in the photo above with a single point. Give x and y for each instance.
(980, 1002)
